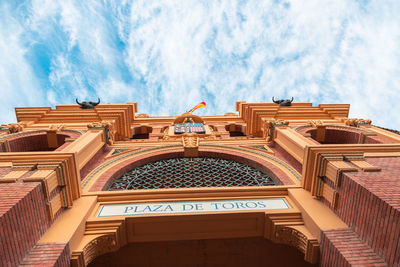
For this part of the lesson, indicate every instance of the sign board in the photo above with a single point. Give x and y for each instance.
(192, 207)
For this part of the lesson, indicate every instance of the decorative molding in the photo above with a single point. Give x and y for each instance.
(142, 115)
(313, 157)
(289, 229)
(63, 164)
(99, 245)
(108, 127)
(100, 237)
(269, 125)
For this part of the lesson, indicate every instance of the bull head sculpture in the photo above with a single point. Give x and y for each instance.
(283, 102)
(88, 105)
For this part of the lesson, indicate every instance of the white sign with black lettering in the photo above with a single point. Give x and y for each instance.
(192, 207)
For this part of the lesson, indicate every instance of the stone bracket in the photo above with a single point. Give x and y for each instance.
(289, 229)
(190, 144)
(100, 237)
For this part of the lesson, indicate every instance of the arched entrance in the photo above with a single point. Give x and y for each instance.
(254, 251)
(209, 222)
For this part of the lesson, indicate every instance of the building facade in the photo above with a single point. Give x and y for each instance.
(268, 185)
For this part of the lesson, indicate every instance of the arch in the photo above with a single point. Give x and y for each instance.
(279, 230)
(191, 173)
(37, 140)
(101, 177)
(338, 134)
(232, 252)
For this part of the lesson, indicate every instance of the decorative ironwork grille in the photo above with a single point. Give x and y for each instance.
(191, 172)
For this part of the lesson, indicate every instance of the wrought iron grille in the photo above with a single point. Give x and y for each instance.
(191, 172)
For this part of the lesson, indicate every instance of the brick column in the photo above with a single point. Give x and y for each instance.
(369, 203)
(23, 219)
(48, 254)
(342, 247)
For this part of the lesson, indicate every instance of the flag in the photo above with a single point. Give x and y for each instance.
(201, 105)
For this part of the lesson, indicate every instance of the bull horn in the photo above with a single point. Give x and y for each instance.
(291, 100)
(98, 102)
(78, 102)
(273, 100)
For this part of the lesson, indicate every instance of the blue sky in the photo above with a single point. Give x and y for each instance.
(170, 55)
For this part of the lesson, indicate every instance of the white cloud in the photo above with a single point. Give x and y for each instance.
(170, 55)
(17, 78)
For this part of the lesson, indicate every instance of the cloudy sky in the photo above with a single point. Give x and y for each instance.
(170, 55)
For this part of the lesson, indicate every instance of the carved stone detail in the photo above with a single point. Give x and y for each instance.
(12, 127)
(142, 115)
(356, 122)
(55, 127)
(268, 126)
(98, 246)
(109, 129)
(289, 229)
(190, 142)
(316, 123)
(291, 236)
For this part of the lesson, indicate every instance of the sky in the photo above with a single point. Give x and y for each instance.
(170, 55)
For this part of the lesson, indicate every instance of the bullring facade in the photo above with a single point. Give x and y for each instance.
(299, 185)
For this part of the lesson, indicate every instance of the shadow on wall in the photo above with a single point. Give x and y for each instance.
(33, 142)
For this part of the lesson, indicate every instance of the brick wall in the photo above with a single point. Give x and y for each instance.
(32, 142)
(48, 254)
(342, 247)
(95, 161)
(282, 154)
(23, 219)
(337, 136)
(35, 141)
(369, 202)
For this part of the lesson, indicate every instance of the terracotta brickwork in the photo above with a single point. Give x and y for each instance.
(30, 142)
(285, 156)
(23, 219)
(369, 202)
(4, 171)
(342, 247)
(48, 255)
(338, 136)
(339, 178)
(97, 159)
